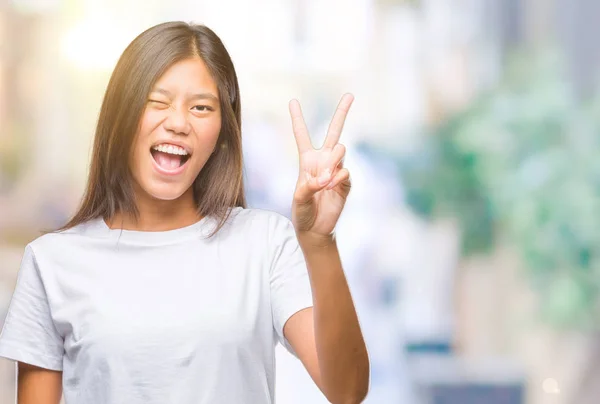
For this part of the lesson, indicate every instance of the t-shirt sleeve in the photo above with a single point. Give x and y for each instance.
(289, 281)
(28, 333)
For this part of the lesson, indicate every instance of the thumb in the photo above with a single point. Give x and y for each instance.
(311, 185)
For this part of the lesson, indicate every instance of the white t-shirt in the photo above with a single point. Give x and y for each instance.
(160, 317)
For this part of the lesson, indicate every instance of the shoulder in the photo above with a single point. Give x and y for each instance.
(264, 218)
(59, 241)
(260, 221)
(258, 216)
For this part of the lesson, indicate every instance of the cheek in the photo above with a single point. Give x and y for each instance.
(215, 130)
(150, 119)
(208, 135)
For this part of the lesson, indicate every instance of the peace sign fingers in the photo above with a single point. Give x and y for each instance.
(299, 127)
(337, 123)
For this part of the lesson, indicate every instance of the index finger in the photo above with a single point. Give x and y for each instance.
(299, 127)
(337, 123)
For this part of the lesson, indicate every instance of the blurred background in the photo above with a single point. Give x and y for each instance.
(471, 239)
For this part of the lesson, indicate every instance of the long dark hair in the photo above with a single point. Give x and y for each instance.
(219, 186)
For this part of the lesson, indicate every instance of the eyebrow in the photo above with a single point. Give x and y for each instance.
(198, 96)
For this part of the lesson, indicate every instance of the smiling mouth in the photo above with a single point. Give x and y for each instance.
(169, 161)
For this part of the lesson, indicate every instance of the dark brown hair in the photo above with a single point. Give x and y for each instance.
(219, 186)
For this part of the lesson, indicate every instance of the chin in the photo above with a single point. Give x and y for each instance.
(166, 192)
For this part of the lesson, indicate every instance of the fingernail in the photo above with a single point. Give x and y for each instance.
(325, 176)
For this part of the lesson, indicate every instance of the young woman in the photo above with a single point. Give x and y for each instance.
(164, 287)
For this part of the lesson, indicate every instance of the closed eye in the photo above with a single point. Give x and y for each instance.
(157, 102)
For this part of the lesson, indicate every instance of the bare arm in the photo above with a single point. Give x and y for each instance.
(37, 385)
(328, 339)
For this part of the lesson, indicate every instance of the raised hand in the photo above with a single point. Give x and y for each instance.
(323, 183)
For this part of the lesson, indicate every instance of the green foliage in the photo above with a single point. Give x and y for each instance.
(523, 162)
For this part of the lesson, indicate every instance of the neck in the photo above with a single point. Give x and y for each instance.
(159, 215)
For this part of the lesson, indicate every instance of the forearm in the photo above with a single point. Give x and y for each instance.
(342, 354)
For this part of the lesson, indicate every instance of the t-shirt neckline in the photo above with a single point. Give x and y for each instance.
(99, 227)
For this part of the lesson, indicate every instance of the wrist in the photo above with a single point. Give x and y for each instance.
(310, 241)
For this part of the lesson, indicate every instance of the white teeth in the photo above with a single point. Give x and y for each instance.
(171, 149)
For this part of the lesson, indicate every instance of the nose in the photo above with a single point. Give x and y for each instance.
(177, 122)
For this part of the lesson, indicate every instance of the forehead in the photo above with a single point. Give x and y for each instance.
(189, 75)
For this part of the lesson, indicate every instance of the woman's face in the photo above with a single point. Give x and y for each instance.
(178, 131)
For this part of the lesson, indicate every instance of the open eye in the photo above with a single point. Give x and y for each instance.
(202, 108)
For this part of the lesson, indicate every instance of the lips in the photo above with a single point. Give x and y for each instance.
(169, 164)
